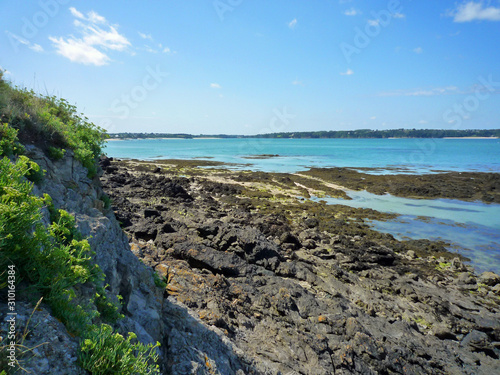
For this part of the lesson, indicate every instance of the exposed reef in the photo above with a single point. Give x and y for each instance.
(285, 285)
(453, 185)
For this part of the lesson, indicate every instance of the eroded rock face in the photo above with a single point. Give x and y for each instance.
(51, 349)
(270, 293)
(67, 183)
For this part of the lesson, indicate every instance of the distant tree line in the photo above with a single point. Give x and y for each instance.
(360, 133)
(394, 133)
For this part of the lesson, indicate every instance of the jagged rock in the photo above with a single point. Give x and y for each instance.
(340, 303)
(489, 278)
(67, 183)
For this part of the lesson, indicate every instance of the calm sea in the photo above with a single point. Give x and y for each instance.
(473, 228)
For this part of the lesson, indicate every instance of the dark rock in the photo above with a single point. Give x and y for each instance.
(479, 342)
(288, 238)
(208, 230)
(311, 222)
(443, 332)
(489, 278)
(151, 213)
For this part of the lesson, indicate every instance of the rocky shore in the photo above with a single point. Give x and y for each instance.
(261, 280)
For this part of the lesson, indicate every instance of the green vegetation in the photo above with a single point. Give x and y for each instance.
(393, 133)
(107, 352)
(53, 260)
(159, 282)
(56, 153)
(360, 133)
(49, 122)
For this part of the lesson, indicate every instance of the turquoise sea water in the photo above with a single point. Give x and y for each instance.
(408, 155)
(472, 228)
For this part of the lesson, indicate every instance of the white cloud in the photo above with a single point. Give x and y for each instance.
(76, 13)
(94, 40)
(215, 86)
(145, 36)
(96, 18)
(423, 122)
(418, 50)
(150, 50)
(292, 23)
(475, 11)
(424, 92)
(159, 46)
(79, 51)
(36, 47)
(373, 117)
(351, 12)
(25, 42)
(297, 83)
(373, 22)
(349, 72)
(399, 15)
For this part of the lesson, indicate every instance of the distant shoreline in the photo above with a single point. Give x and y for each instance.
(257, 137)
(330, 134)
(470, 138)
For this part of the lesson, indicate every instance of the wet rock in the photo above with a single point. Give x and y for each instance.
(346, 301)
(311, 222)
(443, 332)
(151, 213)
(479, 342)
(489, 278)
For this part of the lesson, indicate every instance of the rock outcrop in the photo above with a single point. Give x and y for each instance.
(299, 292)
(67, 183)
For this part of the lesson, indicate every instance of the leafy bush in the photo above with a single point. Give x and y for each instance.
(105, 352)
(51, 123)
(106, 200)
(8, 141)
(55, 261)
(107, 309)
(162, 284)
(55, 153)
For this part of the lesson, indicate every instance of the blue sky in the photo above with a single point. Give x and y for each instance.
(248, 67)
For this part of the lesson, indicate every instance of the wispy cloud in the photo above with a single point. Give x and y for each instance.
(424, 92)
(351, 12)
(97, 36)
(475, 11)
(349, 72)
(399, 15)
(297, 83)
(418, 50)
(25, 42)
(292, 23)
(215, 86)
(145, 36)
(158, 47)
(373, 22)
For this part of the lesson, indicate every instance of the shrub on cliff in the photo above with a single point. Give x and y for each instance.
(54, 261)
(49, 122)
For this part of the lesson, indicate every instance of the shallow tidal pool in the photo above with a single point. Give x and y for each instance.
(471, 228)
